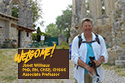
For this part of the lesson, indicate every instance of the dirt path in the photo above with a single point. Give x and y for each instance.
(112, 77)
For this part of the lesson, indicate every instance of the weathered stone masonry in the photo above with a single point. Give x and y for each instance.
(20, 28)
(111, 24)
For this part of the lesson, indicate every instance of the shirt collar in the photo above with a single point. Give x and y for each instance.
(83, 37)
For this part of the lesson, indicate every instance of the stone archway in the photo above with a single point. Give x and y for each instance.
(12, 3)
(15, 1)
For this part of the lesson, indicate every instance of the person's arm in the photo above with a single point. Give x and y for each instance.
(76, 58)
(104, 55)
(87, 67)
(74, 51)
(100, 61)
(104, 52)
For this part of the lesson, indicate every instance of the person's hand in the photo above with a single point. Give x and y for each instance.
(97, 63)
(91, 70)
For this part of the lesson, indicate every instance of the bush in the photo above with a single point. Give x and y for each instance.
(64, 45)
(8, 43)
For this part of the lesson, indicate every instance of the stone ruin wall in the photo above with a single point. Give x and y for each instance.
(25, 41)
(24, 18)
(110, 25)
(24, 14)
(118, 22)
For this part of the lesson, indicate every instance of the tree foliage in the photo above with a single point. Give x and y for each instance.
(52, 30)
(35, 7)
(34, 36)
(63, 22)
(38, 34)
(38, 31)
(15, 10)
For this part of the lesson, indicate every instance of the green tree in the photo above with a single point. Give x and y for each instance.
(38, 31)
(35, 7)
(52, 30)
(38, 34)
(37, 11)
(63, 22)
(34, 36)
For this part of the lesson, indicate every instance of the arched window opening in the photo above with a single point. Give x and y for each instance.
(15, 10)
(103, 7)
(87, 7)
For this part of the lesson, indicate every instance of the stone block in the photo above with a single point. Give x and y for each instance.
(119, 52)
(120, 62)
(121, 57)
(123, 39)
(61, 39)
(121, 0)
(112, 56)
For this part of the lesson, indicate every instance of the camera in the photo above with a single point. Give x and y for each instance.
(91, 62)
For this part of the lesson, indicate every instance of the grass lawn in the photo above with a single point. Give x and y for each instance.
(8, 68)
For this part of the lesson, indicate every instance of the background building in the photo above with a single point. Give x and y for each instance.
(16, 25)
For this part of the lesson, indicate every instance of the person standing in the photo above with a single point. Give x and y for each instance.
(91, 45)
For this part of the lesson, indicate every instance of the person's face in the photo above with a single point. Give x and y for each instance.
(87, 27)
